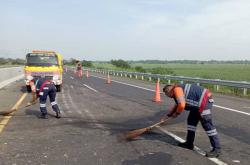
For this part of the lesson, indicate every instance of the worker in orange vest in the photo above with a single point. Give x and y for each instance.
(199, 102)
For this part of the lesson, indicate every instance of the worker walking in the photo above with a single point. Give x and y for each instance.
(199, 102)
(41, 88)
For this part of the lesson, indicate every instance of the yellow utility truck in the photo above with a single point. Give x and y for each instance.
(44, 63)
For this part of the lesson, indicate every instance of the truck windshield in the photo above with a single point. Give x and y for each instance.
(34, 59)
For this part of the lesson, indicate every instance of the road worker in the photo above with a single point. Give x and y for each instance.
(79, 69)
(41, 88)
(199, 102)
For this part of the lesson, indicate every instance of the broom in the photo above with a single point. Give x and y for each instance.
(32, 102)
(135, 133)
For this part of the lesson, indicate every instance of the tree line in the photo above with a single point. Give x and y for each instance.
(10, 61)
(191, 62)
(126, 64)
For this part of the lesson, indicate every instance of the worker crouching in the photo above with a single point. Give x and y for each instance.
(41, 88)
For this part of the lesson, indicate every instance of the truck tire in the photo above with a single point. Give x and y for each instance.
(28, 88)
(58, 88)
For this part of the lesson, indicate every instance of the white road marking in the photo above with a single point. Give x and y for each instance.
(72, 77)
(71, 86)
(218, 106)
(234, 110)
(128, 84)
(236, 161)
(90, 88)
(196, 149)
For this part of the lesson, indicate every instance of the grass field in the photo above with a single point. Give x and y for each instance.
(235, 72)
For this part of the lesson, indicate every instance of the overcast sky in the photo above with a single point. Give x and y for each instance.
(127, 29)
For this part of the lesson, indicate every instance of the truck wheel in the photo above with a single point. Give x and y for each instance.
(28, 88)
(58, 88)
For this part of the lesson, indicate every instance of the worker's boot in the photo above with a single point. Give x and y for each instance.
(58, 114)
(186, 145)
(189, 144)
(44, 116)
(214, 153)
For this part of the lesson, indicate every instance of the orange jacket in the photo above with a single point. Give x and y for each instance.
(179, 99)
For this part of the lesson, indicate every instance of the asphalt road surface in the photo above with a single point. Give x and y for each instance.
(94, 113)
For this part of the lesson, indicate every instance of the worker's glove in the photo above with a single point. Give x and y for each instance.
(169, 115)
(165, 117)
(28, 104)
(175, 114)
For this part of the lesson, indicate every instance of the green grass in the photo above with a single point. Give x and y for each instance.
(234, 72)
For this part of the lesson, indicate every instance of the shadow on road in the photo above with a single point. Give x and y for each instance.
(158, 158)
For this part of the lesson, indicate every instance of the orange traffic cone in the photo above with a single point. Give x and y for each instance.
(87, 74)
(108, 81)
(157, 97)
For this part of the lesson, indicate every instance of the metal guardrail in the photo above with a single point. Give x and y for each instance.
(217, 82)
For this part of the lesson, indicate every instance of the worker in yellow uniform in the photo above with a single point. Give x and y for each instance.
(199, 102)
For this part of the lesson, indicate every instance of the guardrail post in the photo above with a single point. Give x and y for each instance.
(245, 91)
(217, 82)
(217, 88)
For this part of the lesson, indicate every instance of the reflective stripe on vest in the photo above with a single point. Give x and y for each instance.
(201, 102)
(186, 90)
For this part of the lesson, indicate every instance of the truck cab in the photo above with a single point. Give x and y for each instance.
(44, 63)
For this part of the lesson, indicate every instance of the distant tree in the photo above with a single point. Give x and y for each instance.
(11, 61)
(71, 61)
(120, 63)
(87, 63)
(3, 61)
(18, 61)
